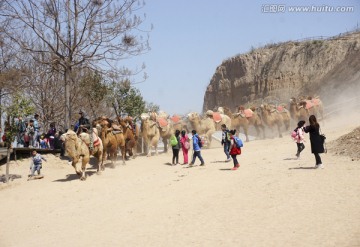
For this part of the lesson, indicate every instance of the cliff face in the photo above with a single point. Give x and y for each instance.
(285, 70)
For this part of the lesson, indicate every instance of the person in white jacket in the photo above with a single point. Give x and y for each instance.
(299, 138)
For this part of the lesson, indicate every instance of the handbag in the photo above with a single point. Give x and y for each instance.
(323, 138)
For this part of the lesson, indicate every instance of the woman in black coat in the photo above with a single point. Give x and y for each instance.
(317, 143)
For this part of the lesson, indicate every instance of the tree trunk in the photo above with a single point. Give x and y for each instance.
(7, 164)
(67, 99)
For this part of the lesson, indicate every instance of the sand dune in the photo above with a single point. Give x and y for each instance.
(272, 200)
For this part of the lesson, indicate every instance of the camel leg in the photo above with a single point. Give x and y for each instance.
(165, 141)
(209, 138)
(123, 154)
(263, 130)
(246, 133)
(74, 164)
(148, 147)
(84, 161)
(279, 130)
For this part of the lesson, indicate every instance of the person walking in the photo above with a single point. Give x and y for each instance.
(225, 141)
(36, 163)
(197, 149)
(185, 145)
(234, 149)
(299, 138)
(317, 144)
(176, 148)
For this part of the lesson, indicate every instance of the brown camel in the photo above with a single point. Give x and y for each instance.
(298, 110)
(112, 138)
(77, 147)
(242, 120)
(129, 135)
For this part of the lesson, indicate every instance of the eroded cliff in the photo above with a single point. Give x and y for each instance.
(285, 70)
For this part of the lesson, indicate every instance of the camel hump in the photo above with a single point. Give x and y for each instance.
(116, 127)
(248, 113)
(217, 116)
(162, 122)
(316, 101)
(280, 108)
(175, 118)
(309, 104)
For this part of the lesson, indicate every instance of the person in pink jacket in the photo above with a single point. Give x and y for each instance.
(185, 146)
(299, 138)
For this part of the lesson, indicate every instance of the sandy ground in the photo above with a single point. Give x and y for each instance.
(272, 200)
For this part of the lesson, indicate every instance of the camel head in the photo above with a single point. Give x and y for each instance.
(192, 116)
(220, 109)
(241, 108)
(144, 116)
(163, 114)
(209, 113)
(293, 101)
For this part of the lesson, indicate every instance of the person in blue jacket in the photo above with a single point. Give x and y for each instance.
(197, 149)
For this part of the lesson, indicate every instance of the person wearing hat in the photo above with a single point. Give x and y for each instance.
(84, 123)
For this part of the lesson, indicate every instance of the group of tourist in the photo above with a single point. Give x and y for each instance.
(232, 149)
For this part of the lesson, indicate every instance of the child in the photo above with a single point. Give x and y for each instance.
(185, 145)
(225, 142)
(176, 148)
(36, 163)
(197, 149)
(299, 139)
(30, 131)
(51, 135)
(234, 150)
(43, 142)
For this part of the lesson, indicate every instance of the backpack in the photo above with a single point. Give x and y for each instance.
(238, 142)
(294, 133)
(173, 140)
(200, 142)
(187, 144)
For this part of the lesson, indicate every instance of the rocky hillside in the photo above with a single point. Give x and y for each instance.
(285, 70)
(347, 145)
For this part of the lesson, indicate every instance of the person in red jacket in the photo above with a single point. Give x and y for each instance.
(234, 150)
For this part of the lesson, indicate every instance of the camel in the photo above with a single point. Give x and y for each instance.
(165, 127)
(244, 118)
(150, 133)
(112, 138)
(315, 107)
(129, 135)
(218, 119)
(298, 110)
(79, 146)
(205, 126)
(272, 117)
(179, 123)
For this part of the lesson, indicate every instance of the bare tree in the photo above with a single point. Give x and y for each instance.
(76, 34)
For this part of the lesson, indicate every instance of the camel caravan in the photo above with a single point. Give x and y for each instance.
(110, 137)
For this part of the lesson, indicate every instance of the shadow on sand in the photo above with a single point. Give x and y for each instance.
(71, 177)
(303, 168)
(11, 177)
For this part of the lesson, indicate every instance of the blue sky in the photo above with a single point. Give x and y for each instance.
(191, 38)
